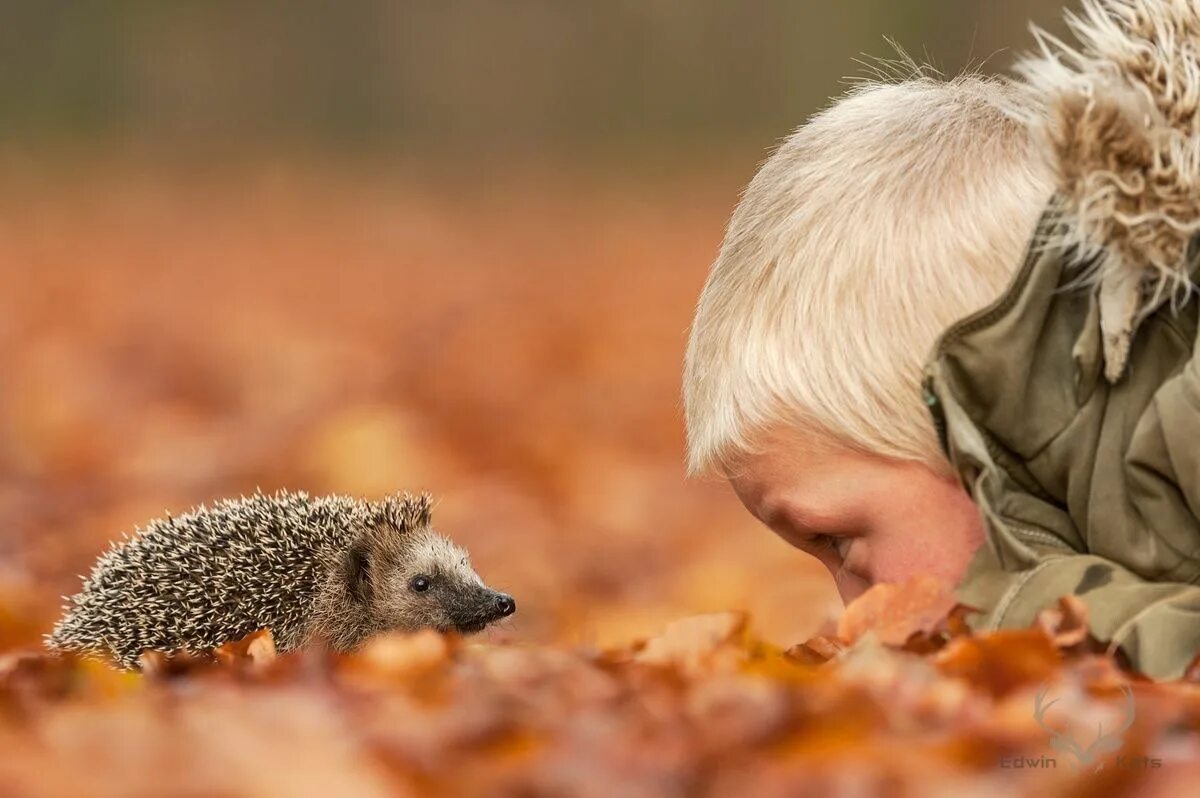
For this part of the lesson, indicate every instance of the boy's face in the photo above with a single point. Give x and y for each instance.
(867, 518)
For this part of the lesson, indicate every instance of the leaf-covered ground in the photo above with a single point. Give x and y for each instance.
(702, 709)
(512, 345)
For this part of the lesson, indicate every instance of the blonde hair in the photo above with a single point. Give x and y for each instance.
(886, 217)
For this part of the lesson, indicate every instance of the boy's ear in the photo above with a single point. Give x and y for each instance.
(357, 565)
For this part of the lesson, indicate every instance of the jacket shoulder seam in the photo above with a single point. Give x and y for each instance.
(1002, 606)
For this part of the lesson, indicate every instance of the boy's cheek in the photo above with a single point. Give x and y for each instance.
(905, 555)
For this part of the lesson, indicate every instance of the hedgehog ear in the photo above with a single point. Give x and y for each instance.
(357, 567)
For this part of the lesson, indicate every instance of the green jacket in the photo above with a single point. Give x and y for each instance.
(1070, 408)
(1087, 488)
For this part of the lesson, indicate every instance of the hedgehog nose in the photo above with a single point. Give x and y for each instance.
(505, 604)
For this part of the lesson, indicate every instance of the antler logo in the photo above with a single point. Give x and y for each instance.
(1104, 742)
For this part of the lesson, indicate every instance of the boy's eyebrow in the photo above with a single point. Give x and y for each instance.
(772, 508)
(768, 513)
(802, 518)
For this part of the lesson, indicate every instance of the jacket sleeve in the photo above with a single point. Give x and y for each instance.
(1155, 624)
(1071, 406)
(1032, 557)
(1023, 422)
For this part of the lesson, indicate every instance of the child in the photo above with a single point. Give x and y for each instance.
(886, 217)
(1069, 407)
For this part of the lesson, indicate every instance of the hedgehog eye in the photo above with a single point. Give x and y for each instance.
(419, 583)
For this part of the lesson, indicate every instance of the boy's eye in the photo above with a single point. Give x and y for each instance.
(838, 544)
(420, 583)
(821, 543)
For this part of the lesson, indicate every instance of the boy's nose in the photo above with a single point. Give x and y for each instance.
(505, 604)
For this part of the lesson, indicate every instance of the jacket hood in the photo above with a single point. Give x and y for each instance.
(1122, 127)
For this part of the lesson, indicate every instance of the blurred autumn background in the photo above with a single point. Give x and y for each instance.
(369, 246)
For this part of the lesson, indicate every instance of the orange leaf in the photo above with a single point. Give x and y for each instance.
(256, 649)
(399, 654)
(815, 650)
(696, 644)
(162, 665)
(894, 612)
(1066, 624)
(1001, 661)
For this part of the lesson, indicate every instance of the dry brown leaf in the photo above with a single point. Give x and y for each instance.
(256, 650)
(29, 675)
(1066, 624)
(737, 710)
(400, 654)
(165, 665)
(1001, 661)
(815, 650)
(953, 625)
(122, 397)
(895, 612)
(697, 643)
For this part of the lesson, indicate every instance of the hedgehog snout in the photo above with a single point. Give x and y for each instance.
(496, 605)
(490, 607)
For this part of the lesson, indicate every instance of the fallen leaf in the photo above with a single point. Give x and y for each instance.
(895, 612)
(257, 650)
(1001, 661)
(816, 650)
(693, 644)
(298, 336)
(398, 654)
(952, 626)
(166, 665)
(1066, 624)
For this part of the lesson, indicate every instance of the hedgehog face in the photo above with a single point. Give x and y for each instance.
(418, 579)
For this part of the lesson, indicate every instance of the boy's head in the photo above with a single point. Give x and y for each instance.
(885, 218)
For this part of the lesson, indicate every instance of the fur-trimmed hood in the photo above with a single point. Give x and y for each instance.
(1123, 129)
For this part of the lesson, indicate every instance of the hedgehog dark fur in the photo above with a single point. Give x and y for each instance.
(332, 569)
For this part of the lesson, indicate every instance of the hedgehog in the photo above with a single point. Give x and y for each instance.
(329, 571)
